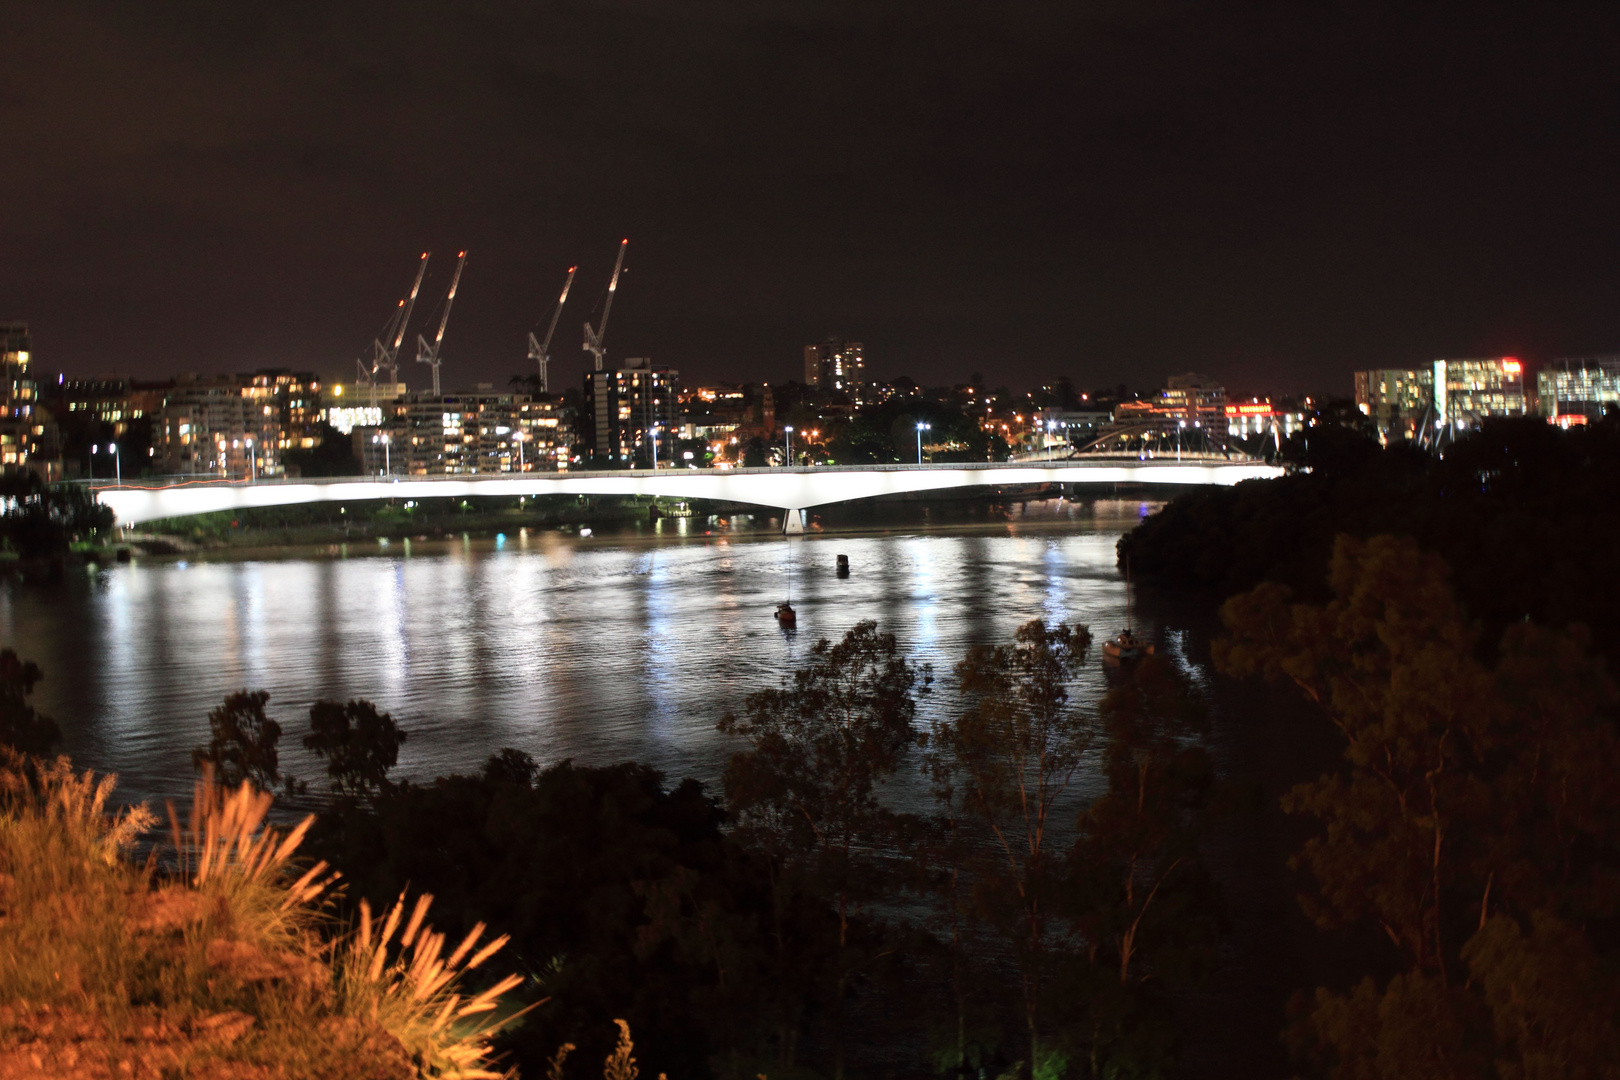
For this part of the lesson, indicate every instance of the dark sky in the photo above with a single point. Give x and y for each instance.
(1274, 193)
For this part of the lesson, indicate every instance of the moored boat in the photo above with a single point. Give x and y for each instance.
(1127, 646)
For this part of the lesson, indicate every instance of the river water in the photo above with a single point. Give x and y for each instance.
(600, 649)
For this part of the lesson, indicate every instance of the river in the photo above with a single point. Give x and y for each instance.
(622, 646)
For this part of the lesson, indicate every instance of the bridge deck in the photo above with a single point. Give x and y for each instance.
(794, 488)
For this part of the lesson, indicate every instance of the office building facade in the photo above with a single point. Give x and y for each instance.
(1469, 391)
(1582, 388)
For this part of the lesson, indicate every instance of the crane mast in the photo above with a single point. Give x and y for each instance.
(429, 354)
(594, 338)
(540, 351)
(384, 355)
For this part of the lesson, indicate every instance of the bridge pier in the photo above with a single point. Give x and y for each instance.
(793, 522)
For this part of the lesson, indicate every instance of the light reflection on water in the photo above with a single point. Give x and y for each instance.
(600, 650)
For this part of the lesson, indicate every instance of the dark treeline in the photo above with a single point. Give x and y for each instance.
(1523, 513)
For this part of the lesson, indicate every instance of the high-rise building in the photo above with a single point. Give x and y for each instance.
(471, 431)
(1395, 399)
(1578, 390)
(211, 426)
(623, 406)
(1468, 391)
(27, 438)
(836, 365)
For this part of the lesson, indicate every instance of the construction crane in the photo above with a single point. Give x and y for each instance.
(384, 355)
(540, 351)
(429, 354)
(594, 338)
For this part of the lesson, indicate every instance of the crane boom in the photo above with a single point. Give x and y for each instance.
(540, 351)
(408, 303)
(382, 354)
(594, 338)
(429, 354)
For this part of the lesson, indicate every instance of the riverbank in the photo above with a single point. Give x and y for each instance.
(427, 526)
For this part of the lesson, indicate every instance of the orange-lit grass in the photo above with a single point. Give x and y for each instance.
(232, 930)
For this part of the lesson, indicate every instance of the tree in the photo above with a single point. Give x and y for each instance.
(1141, 903)
(805, 792)
(38, 520)
(243, 743)
(21, 728)
(358, 743)
(1009, 755)
(1474, 823)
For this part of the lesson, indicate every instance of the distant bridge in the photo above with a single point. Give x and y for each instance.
(792, 490)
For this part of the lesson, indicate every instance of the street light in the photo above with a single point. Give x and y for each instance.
(253, 466)
(921, 427)
(789, 430)
(654, 434)
(517, 437)
(388, 465)
(118, 464)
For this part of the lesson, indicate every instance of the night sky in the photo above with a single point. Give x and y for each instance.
(1275, 194)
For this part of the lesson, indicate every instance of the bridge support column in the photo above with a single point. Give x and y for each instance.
(793, 522)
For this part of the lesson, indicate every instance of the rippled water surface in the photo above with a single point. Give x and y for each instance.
(600, 649)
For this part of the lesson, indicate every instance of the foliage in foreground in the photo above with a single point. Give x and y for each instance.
(1474, 825)
(215, 957)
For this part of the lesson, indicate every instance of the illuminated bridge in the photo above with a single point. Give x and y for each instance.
(792, 490)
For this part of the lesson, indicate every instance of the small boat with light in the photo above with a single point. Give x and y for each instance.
(785, 615)
(1126, 647)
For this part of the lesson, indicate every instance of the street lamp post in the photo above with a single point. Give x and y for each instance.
(253, 466)
(921, 427)
(118, 464)
(789, 430)
(517, 437)
(654, 433)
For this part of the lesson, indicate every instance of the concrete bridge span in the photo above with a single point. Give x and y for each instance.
(788, 489)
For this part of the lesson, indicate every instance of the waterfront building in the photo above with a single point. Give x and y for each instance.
(1252, 418)
(293, 398)
(1395, 399)
(1575, 391)
(1191, 402)
(472, 431)
(622, 408)
(236, 426)
(27, 438)
(210, 426)
(836, 365)
(1471, 390)
(1199, 401)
